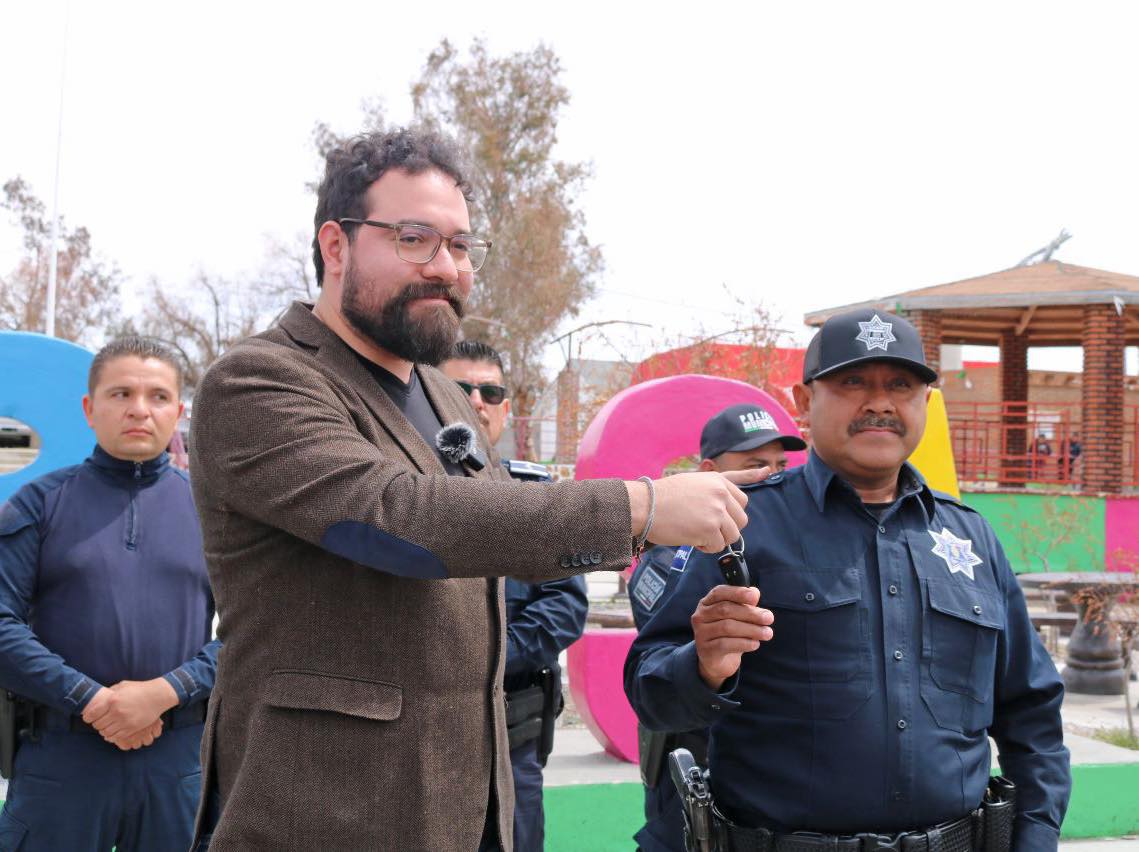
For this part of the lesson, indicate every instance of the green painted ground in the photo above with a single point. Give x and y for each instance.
(604, 817)
(1105, 803)
(1045, 532)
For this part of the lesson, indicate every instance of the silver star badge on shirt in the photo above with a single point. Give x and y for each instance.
(957, 552)
(876, 334)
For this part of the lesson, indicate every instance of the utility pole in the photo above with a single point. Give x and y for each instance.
(53, 263)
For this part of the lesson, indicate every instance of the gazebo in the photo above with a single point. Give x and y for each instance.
(1045, 304)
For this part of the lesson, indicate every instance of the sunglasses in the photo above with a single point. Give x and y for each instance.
(491, 394)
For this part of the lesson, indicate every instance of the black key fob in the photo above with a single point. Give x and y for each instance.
(733, 568)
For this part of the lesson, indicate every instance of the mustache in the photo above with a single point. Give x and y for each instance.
(873, 421)
(411, 292)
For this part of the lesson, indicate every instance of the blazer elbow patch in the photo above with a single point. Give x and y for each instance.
(369, 545)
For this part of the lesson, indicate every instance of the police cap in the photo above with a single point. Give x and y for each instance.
(739, 428)
(865, 335)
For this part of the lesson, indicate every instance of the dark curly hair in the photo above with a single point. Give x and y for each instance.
(350, 169)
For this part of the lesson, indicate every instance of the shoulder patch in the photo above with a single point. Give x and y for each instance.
(680, 560)
(648, 588)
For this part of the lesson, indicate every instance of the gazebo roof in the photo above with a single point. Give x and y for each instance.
(1043, 301)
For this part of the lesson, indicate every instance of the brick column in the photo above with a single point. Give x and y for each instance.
(1102, 430)
(1014, 416)
(928, 324)
(568, 408)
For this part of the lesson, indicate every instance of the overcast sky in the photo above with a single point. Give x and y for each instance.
(842, 151)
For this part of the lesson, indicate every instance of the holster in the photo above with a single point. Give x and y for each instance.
(15, 720)
(532, 710)
(653, 748)
(651, 751)
(999, 806)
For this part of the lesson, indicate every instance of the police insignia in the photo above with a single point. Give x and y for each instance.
(876, 334)
(957, 552)
(649, 588)
(680, 560)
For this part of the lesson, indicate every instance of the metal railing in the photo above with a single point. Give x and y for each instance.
(1016, 443)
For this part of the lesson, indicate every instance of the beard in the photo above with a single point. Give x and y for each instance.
(427, 339)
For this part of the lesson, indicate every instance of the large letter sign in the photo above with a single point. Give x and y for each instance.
(637, 433)
(43, 385)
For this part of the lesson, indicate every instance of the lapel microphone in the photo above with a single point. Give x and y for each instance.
(457, 443)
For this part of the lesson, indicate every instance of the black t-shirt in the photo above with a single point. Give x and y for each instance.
(416, 407)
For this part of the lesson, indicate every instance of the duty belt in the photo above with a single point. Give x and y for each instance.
(962, 835)
(47, 719)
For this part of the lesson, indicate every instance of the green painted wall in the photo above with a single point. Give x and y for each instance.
(1066, 530)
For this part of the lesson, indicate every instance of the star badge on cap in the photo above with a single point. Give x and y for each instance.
(957, 552)
(876, 334)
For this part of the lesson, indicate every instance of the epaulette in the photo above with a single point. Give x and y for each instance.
(946, 497)
(527, 471)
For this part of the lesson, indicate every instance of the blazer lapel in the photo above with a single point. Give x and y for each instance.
(342, 360)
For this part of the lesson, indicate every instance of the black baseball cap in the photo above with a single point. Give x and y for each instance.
(743, 427)
(865, 335)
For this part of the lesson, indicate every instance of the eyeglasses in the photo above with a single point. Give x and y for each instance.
(491, 394)
(420, 244)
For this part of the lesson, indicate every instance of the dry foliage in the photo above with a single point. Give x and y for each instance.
(204, 320)
(87, 289)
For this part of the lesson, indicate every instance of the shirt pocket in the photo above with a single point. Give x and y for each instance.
(962, 627)
(818, 658)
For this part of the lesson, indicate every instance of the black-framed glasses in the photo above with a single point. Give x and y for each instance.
(420, 243)
(491, 394)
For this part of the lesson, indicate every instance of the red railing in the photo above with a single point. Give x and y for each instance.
(1014, 443)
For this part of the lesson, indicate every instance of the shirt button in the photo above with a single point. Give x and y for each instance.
(810, 596)
(881, 529)
(977, 610)
(897, 655)
(901, 724)
(893, 589)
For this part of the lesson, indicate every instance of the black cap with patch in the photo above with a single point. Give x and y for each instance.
(739, 428)
(865, 335)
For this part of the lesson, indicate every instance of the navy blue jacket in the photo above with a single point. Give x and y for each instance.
(542, 619)
(102, 579)
(900, 645)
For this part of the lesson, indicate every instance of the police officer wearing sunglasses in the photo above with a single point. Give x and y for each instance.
(854, 709)
(542, 619)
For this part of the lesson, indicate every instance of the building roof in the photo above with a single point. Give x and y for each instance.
(1045, 301)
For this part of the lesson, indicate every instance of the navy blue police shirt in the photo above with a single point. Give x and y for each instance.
(658, 567)
(901, 643)
(542, 619)
(103, 579)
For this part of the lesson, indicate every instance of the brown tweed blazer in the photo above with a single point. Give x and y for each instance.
(358, 706)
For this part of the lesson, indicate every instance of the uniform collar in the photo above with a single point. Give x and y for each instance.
(819, 477)
(122, 469)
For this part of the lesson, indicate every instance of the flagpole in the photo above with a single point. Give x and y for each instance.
(53, 263)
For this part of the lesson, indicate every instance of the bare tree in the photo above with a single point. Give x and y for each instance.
(87, 288)
(205, 321)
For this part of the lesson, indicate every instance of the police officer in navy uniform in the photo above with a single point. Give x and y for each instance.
(851, 697)
(740, 437)
(542, 619)
(106, 620)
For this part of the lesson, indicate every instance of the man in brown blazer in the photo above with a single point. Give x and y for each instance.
(355, 563)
